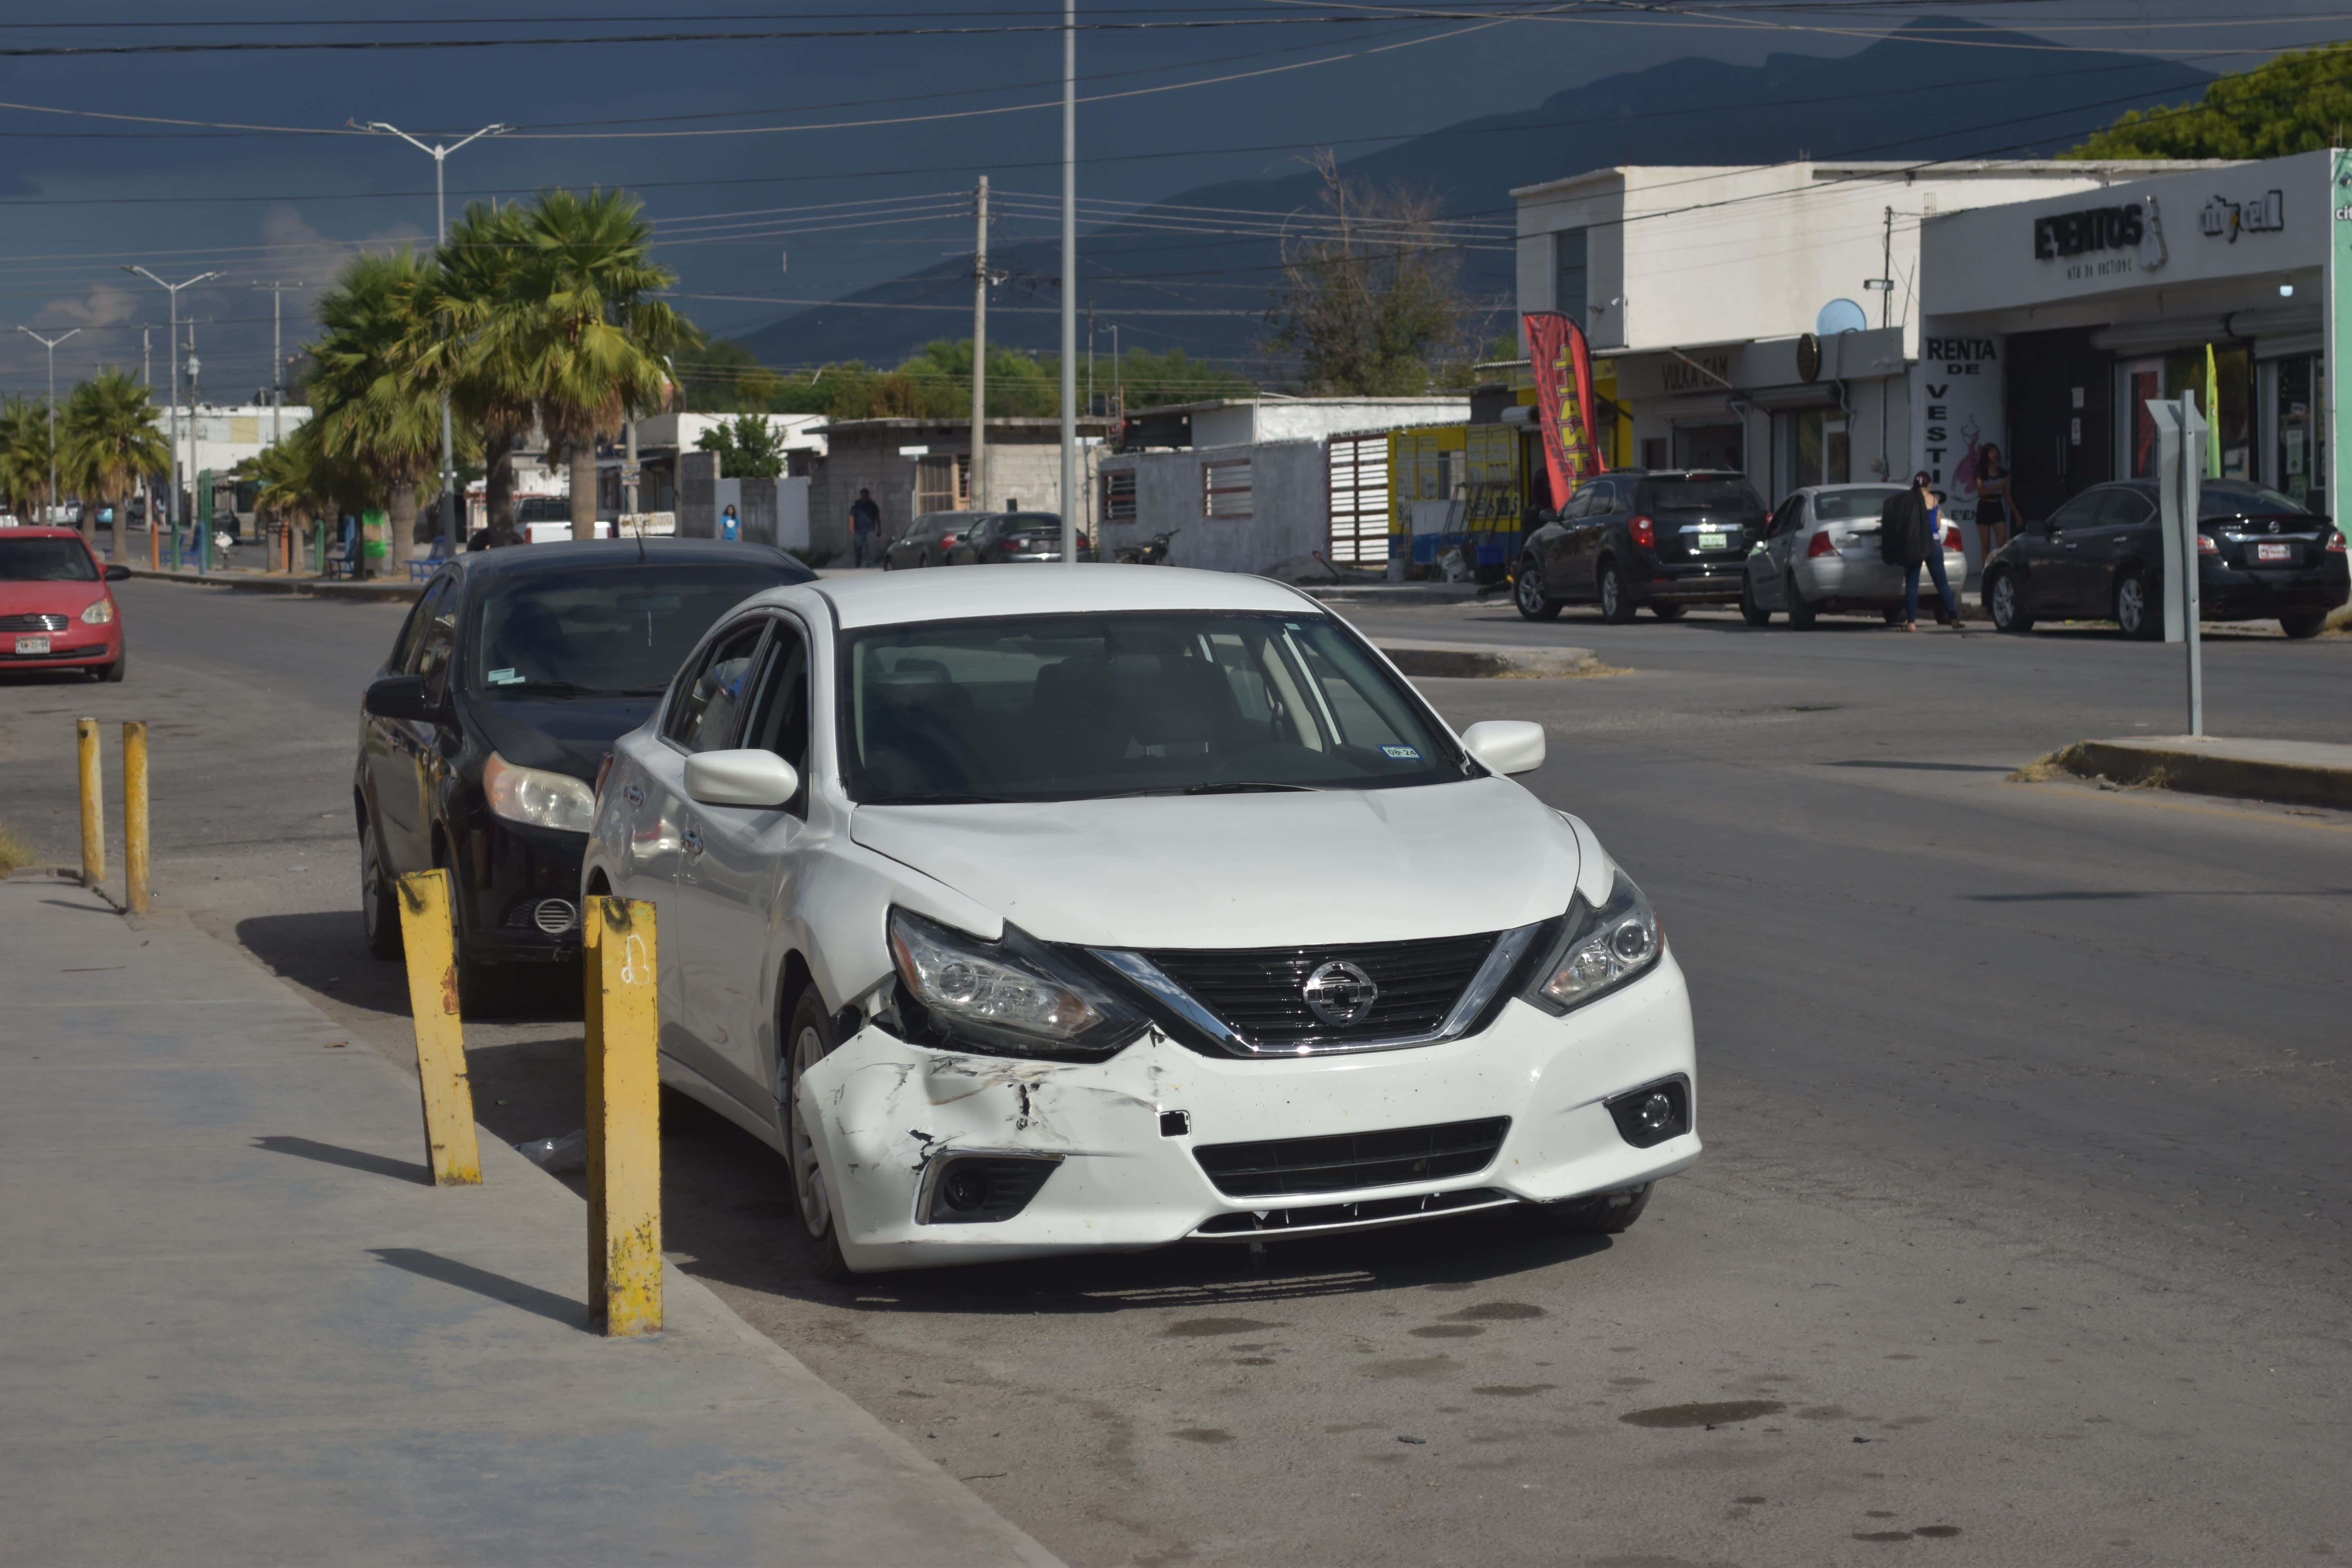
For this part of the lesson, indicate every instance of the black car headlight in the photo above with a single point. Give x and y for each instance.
(1603, 949)
(1014, 997)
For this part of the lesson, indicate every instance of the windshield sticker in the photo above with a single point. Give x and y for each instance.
(503, 678)
(1401, 753)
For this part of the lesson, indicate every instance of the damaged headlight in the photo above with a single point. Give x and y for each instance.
(1014, 996)
(538, 797)
(1603, 949)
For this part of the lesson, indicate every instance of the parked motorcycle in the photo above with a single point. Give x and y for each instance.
(1153, 553)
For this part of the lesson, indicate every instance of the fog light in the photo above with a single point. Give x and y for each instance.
(982, 1189)
(964, 1190)
(1653, 1113)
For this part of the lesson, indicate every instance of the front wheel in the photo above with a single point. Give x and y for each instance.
(1894, 615)
(2135, 611)
(1754, 614)
(2301, 626)
(1616, 605)
(1602, 1213)
(1528, 596)
(112, 673)
(808, 1041)
(1801, 615)
(2006, 606)
(379, 906)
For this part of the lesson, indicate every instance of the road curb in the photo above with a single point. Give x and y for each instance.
(377, 591)
(1394, 594)
(1492, 661)
(2206, 769)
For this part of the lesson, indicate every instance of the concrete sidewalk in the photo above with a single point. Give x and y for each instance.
(2285, 773)
(396, 590)
(242, 1328)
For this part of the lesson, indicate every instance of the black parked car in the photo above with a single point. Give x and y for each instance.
(1667, 539)
(1004, 536)
(481, 735)
(930, 539)
(2101, 556)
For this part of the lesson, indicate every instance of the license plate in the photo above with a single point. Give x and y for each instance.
(1713, 541)
(32, 644)
(2273, 551)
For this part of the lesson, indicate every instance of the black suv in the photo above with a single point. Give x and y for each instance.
(481, 735)
(1665, 538)
(2101, 556)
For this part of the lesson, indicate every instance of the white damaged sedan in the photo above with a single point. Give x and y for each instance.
(1039, 913)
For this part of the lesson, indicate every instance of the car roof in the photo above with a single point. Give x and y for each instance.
(565, 554)
(40, 530)
(893, 598)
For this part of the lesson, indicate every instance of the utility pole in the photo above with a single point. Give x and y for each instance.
(277, 357)
(980, 353)
(172, 506)
(440, 155)
(1885, 278)
(1070, 283)
(51, 344)
(1117, 393)
(146, 356)
(1090, 353)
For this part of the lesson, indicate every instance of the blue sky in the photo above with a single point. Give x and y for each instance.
(84, 195)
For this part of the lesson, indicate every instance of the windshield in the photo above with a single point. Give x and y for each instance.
(2244, 500)
(1076, 707)
(1845, 506)
(605, 630)
(44, 561)
(1729, 493)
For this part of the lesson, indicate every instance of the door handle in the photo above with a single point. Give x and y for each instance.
(634, 795)
(692, 838)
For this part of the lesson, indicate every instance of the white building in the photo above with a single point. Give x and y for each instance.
(1714, 291)
(218, 438)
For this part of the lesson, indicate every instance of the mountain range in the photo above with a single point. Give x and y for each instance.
(1939, 87)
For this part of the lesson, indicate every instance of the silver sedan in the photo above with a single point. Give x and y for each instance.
(1820, 553)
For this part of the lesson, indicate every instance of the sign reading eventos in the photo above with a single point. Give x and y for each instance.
(1562, 366)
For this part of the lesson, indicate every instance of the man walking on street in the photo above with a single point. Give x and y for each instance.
(865, 529)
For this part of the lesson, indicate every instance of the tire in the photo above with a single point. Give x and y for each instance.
(1893, 614)
(2301, 626)
(1754, 614)
(1602, 1213)
(1803, 617)
(378, 905)
(1528, 597)
(1666, 612)
(2135, 607)
(112, 673)
(1616, 607)
(808, 1039)
(2004, 604)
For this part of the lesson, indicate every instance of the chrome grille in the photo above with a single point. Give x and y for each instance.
(33, 623)
(1260, 993)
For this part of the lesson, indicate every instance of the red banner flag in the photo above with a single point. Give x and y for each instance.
(1562, 363)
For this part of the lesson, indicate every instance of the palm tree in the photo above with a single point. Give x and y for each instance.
(477, 279)
(375, 410)
(109, 440)
(24, 454)
(300, 483)
(590, 340)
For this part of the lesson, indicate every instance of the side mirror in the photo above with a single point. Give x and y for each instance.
(116, 572)
(402, 697)
(1506, 746)
(753, 778)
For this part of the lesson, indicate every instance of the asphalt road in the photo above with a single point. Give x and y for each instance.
(2021, 1236)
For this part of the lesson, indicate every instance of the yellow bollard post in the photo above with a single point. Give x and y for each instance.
(624, 1255)
(135, 892)
(93, 807)
(430, 942)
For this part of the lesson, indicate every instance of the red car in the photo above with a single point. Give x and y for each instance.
(55, 609)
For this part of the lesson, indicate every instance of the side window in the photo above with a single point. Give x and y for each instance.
(2080, 513)
(702, 713)
(779, 720)
(1787, 518)
(2124, 508)
(404, 646)
(436, 638)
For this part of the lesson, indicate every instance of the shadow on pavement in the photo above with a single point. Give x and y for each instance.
(349, 1159)
(327, 952)
(482, 1282)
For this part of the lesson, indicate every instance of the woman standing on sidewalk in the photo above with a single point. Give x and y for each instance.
(1992, 503)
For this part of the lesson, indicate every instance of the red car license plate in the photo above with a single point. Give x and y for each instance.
(2273, 551)
(32, 644)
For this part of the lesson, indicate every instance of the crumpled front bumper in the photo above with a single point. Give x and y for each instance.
(883, 1113)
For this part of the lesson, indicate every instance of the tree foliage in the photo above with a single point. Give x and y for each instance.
(107, 442)
(936, 383)
(1370, 298)
(375, 410)
(748, 447)
(23, 454)
(2298, 102)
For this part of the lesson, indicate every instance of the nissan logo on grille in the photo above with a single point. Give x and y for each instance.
(1339, 994)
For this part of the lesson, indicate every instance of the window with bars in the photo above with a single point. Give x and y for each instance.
(1225, 487)
(1118, 495)
(1358, 470)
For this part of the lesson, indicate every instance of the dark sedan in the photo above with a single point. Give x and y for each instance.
(930, 540)
(2100, 556)
(481, 735)
(1667, 539)
(1008, 536)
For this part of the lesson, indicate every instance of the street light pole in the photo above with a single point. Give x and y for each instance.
(172, 507)
(277, 362)
(440, 155)
(1069, 282)
(51, 344)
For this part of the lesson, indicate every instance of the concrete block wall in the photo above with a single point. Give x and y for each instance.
(1289, 506)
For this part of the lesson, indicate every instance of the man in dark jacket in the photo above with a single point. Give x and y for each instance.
(1909, 535)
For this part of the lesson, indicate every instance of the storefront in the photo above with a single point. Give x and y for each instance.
(2048, 325)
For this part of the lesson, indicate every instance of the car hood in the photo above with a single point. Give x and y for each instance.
(51, 598)
(568, 736)
(1249, 871)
